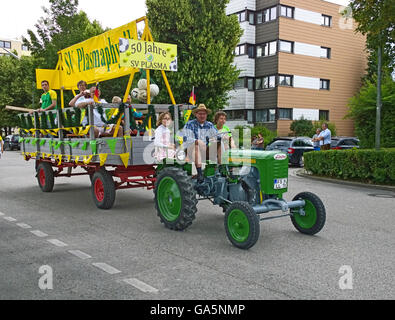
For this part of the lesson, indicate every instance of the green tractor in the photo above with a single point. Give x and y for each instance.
(250, 184)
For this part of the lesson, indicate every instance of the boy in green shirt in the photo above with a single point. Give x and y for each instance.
(48, 98)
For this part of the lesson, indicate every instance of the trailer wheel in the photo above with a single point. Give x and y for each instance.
(312, 219)
(175, 198)
(103, 189)
(242, 225)
(45, 176)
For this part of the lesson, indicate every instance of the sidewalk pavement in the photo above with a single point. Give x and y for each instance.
(304, 174)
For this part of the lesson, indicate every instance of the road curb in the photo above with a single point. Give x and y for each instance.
(303, 174)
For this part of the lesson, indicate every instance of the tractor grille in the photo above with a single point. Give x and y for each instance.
(280, 169)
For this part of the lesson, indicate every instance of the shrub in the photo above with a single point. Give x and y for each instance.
(302, 127)
(362, 109)
(267, 134)
(368, 165)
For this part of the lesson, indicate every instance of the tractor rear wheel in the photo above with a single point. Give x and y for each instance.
(175, 198)
(242, 225)
(45, 176)
(312, 217)
(103, 189)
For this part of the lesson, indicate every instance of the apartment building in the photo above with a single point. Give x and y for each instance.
(298, 58)
(11, 45)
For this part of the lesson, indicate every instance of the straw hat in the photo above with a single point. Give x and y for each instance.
(201, 107)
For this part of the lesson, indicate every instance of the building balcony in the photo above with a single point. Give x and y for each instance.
(246, 66)
(240, 5)
(241, 99)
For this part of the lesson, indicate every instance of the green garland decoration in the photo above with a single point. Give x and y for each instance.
(43, 121)
(30, 124)
(114, 119)
(51, 117)
(77, 117)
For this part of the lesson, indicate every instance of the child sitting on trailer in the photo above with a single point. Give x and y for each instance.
(164, 148)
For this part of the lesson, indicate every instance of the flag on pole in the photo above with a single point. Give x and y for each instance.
(96, 96)
(192, 98)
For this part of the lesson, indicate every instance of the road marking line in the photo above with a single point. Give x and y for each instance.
(39, 233)
(80, 254)
(24, 225)
(11, 219)
(142, 286)
(105, 267)
(57, 243)
(2, 214)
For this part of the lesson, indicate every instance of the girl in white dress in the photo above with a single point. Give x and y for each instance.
(164, 146)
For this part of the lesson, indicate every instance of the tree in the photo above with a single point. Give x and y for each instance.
(17, 87)
(206, 38)
(63, 26)
(376, 20)
(362, 111)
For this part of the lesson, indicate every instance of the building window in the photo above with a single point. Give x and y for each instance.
(266, 82)
(284, 114)
(325, 52)
(241, 16)
(251, 17)
(266, 49)
(287, 11)
(240, 50)
(259, 17)
(285, 80)
(249, 116)
(251, 51)
(24, 48)
(265, 115)
(236, 114)
(286, 46)
(250, 84)
(5, 44)
(240, 83)
(324, 115)
(324, 84)
(326, 20)
(267, 15)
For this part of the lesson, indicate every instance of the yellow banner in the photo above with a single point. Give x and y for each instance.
(96, 59)
(148, 55)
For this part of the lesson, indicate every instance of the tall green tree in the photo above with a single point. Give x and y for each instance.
(206, 38)
(362, 110)
(376, 19)
(17, 87)
(61, 27)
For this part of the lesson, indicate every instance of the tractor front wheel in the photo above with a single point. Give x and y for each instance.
(311, 218)
(242, 225)
(175, 198)
(103, 189)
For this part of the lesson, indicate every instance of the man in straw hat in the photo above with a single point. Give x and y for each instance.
(199, 134)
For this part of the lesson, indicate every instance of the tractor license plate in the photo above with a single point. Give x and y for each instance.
(280, 183)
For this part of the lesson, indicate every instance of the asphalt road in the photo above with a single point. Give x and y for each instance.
(126, 253)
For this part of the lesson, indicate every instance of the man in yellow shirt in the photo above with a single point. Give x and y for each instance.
(48, 98)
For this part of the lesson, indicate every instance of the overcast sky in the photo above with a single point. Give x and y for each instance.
(19, 15)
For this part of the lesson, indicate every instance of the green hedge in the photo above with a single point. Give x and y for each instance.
(365, 165)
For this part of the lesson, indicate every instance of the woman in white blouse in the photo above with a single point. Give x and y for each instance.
(164, 146)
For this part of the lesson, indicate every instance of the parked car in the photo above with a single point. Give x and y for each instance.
(11, 142)
(294, 147)
(340, 143)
